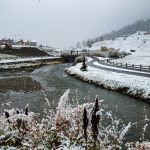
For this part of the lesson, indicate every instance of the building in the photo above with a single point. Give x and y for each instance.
(6, 41)
(19, 42)
(25, 43)
(33, 43)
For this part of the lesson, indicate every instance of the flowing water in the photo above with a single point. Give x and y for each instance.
(27, 87)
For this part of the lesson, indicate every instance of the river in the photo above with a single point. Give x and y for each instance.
(54, 82)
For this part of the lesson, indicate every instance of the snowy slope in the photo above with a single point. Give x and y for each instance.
(138, 42)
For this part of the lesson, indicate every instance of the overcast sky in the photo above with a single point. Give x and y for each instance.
(62, 23)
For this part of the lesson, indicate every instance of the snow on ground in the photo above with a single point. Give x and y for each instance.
(138, 42)
(20, 46)
(123, 69)
(26, 59)
(139, 58)
(132, 85)
(15, 66)
(2, 56)
(24, 62)
(102, 58)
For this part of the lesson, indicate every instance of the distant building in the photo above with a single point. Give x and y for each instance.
(25, 43)
(33, 43)
(6, 41)
(19, 42)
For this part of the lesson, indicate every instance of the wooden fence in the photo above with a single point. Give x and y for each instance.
(129, 66)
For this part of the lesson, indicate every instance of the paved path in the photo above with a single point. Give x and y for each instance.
(115, 69)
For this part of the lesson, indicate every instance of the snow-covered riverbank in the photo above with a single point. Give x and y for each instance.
(28, 62)
(132, 85)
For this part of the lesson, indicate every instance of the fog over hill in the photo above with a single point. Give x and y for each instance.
(141, 25)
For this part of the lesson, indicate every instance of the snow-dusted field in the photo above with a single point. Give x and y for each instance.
(140, 58)
(138, 42)
(132, 85)
(6, 56)
(18, 60)
(24, 62)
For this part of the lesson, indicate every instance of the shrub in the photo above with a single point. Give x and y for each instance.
(113, 53)
(104, 49)
(79, 59)
(70, 127)
(123, 54)
(98, 53)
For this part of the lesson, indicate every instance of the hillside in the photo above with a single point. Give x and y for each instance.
(140, 42)
(141, 25)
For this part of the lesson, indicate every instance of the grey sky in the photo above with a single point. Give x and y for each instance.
(61, 23)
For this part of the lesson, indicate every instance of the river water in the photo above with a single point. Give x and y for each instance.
(54, 82)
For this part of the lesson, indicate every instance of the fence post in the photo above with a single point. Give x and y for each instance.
(126, 65)
(133, 66)
(140, 67)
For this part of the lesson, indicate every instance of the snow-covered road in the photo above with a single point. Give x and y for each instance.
(95, 63)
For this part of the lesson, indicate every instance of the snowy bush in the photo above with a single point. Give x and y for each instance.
(70, 128)
(113, 53)
(123, 54)
(98, 53)
(79, 59)
(104, 49)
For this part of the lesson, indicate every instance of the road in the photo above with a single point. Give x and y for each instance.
(115, 69)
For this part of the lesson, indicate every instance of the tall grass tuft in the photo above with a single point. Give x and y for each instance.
(95, 119)
(85, 123)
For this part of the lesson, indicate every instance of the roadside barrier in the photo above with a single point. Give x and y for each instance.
(129, 66)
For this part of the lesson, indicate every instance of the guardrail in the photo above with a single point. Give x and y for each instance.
(129, 66)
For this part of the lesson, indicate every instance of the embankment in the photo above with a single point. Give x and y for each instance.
(28, 63)
(134, 86)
